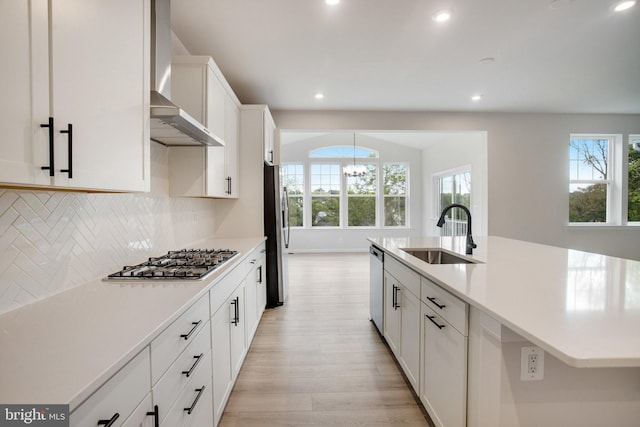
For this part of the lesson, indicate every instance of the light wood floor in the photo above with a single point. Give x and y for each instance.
(318, 360)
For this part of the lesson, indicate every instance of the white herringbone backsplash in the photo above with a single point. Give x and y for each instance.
(51, 241)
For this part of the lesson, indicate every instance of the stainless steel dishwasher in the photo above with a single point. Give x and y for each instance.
(376, 290)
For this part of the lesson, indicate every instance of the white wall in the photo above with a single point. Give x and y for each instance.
(527, 167)
(55, 240)
(459, 150)
(350, 239)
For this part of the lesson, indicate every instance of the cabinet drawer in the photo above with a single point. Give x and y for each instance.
(225, 287)
(409, 278)
(188, 363)
(121, 394)
(449, 307)
(254, 258)
(192, 397)
(140, 417)
(173, 340)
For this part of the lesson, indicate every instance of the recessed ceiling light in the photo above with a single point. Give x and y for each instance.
(477, 97)
(319, 95)
(332, 2)
(442, 16)
(619, 7)
(488, 60)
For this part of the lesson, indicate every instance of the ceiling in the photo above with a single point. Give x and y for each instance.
(557, 56)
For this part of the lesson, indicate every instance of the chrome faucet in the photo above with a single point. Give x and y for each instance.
(470, 244)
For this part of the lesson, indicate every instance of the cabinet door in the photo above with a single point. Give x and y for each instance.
(262, 285)
(232, 122)
(391, 313)
(215, 172)
(444, 371)
(410, 336)
(24, 84)
(221, 355)
(238, 345)
(100, 85)
(251, 293)
(140, 417)
(215, 105)
(269, 138)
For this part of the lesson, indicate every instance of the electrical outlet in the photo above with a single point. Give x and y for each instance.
(532, 364)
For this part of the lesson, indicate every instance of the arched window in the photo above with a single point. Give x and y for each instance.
(343, 152)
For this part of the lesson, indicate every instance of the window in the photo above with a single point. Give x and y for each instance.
(395, 194)
(633, 179)
(589, 184)
(343, 152)
(361, 199)
(325, 194)
(454, 187)
(293, 181)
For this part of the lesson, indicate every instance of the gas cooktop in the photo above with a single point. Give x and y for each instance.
(188, 264)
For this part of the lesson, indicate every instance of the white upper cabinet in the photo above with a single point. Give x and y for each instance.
(198, 86)
(271, 152)
(67, 69)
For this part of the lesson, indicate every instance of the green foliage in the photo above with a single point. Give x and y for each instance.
(325, 211)
(295, 211)
(588, 204)
(634, 185)
(362, 211)
(395, 180)
(395, 211)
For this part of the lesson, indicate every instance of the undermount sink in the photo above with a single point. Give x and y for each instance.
(437, 256)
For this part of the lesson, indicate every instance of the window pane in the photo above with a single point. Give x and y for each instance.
(363, 184)
(295, 211)
(325, 211)
(588, 159)
(344, 152)
(395, 179)
(293, 178)
(634, 179)
(394, 211)
(325, 179)
(362, 211)
(588, 203)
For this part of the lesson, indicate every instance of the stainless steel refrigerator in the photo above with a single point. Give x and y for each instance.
(277, 229)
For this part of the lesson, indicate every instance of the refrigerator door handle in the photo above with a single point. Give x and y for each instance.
(286, 217)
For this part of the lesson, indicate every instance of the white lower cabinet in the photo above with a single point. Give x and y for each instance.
(119, 397)
(443, 385)
(443, 389)
(142, 416)
(402, 317)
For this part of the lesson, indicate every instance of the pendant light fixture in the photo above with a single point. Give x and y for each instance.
(354, 170)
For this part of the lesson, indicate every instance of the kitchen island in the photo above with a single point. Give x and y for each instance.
(581, 309)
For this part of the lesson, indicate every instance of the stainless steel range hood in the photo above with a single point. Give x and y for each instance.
(170, 124)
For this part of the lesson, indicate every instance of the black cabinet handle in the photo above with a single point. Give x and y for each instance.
(195, 326)
(69, 131)
(259, 274)
(271, 156)
(433, 300)
(190, 371)
(190, 409)
(156, 414)
(49, 125)
(396, 305)
(109, 422)
(228, 179)
(434, 322)
(236, 319)
(235, 311)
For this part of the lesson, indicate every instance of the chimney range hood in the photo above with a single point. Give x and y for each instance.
(170, 124)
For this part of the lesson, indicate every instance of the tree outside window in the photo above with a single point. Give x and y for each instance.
(589, 183)
(395, 194)
(293, 180)
(633, 186)
(361, 199)
(325, 195)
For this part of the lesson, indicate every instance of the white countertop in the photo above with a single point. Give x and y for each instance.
(61, 349)
(581, 307)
